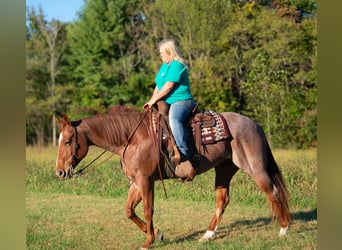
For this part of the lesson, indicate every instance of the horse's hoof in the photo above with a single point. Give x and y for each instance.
(207, 236)
(158, 234)
(145, 247)
(283, 231)
(202, 239)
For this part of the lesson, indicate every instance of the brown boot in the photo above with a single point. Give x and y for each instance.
(185, 170)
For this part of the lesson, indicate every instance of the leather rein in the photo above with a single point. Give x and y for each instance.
(83, 171)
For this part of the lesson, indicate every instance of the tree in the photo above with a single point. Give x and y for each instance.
(272, 54)
(51, 34)
(45, 45)
(106, 55)
(196, 26)
(258, 58)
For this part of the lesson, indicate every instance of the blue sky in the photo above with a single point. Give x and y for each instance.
(62, 10)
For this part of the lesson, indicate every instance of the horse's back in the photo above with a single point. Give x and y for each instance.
(240, 125)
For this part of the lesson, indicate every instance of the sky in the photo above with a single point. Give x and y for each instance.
(62, 10)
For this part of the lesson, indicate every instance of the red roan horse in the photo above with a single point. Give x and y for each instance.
(247, 150)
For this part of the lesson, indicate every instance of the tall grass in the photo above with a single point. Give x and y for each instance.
(88, 212)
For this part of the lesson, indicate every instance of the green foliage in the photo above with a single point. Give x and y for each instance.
(196, 26)
(270, 56)
(104, 53)
(305, 6)
(45, 44)
(258, 58)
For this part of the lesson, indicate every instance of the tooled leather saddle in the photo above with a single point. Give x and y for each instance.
(205, 127)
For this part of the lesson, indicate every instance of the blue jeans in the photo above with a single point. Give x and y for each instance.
(178, 115)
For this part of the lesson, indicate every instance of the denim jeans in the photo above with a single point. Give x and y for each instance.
(178, 115)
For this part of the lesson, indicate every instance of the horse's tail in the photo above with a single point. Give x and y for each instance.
(280, 192)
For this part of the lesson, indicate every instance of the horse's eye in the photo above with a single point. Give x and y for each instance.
(67, 143)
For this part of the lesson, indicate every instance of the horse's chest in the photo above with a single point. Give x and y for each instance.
(130, 170)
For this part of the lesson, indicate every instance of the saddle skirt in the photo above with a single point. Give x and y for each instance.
(211, 126)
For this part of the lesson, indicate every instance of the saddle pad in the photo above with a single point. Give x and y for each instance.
(215, 133)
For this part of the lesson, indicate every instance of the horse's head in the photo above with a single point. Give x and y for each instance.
(72, 147)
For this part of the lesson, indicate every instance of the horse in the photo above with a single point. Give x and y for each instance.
(128, 135)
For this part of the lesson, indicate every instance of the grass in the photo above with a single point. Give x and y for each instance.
(88, 212)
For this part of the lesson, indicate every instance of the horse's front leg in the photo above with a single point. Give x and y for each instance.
(223, 176)
(134, 198)
(144, 191)
(147, 194)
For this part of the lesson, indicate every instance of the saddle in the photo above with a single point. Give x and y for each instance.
(204, 127)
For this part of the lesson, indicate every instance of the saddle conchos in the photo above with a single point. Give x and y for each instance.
(205, 127)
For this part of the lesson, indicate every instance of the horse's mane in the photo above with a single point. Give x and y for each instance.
(116, 127)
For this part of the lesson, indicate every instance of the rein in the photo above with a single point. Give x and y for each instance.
(80, 171)
(133, 132)
(158, 151)
(155, 143)
(83, 171)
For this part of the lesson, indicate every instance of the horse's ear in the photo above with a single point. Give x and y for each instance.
(59, 120)
(63, 121)
(66, 119)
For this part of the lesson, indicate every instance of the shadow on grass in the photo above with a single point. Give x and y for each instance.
(239, 225)
(305, 216)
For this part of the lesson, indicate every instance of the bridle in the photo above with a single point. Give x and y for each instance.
(83, 171)
(75, 159)
(74, 152)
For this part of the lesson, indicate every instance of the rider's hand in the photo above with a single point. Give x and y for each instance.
(149, 104)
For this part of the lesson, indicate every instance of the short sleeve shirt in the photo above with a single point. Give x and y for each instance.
(175, 72)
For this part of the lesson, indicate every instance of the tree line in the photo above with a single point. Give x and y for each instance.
(257, 58)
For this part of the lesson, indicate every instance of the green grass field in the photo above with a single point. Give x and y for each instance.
(89, 212)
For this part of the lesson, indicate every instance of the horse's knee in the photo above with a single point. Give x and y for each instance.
(130, 213)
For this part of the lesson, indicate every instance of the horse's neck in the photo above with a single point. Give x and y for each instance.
(96, 138)
(111, 132)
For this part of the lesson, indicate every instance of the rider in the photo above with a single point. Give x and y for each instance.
(173, 87)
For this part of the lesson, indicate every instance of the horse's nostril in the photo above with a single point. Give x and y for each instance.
(61, 173)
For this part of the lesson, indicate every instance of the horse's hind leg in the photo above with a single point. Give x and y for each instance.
(223, 175)
(277, 198)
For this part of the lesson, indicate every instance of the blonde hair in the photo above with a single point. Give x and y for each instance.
(172, 50)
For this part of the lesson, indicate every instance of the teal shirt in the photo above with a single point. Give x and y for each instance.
(178, 73)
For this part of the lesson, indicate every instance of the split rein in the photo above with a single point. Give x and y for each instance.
(83, 171)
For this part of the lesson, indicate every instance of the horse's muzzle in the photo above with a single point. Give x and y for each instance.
(61, 173)
(64, 174)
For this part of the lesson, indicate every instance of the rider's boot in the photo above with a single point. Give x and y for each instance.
(185, 170)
